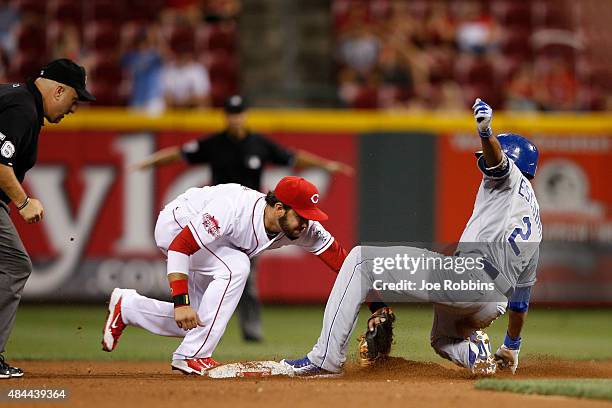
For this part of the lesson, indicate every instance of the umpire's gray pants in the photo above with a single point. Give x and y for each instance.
(249, 307)
(15, 268)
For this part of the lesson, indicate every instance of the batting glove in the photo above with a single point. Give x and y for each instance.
(507, 355)
(483, 115)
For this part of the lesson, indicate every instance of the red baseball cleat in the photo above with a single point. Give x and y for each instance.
(198, 366)
(114, 325)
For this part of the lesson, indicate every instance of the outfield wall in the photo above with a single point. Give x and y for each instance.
(416, 181)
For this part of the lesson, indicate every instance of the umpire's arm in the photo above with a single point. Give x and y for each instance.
(30, 208)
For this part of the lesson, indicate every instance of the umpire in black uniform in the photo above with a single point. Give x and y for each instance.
(237, 155)
(23, 107)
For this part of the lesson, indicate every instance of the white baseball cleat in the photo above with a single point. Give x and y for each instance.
(482, 360)
(114, 324)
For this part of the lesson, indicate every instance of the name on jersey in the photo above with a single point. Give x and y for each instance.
(527, 193)
(211, 225)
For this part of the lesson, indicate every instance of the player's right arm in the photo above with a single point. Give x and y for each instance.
(193, 152)
(182, 247)
(493, 162)
(159, 158)
(14, 123)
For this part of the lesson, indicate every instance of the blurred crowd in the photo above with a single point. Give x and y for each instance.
(440, 55)
(148, 54)
(406, 54)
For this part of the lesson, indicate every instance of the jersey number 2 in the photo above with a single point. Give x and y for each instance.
(518, 231)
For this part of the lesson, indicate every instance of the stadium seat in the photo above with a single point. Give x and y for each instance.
(219, 92)
(473, 71)
(25, 65)
(34, 8)
(65, 11)
(102, 37)
(142, 10)
(367, 98)
(30, 38)
(512, 14)
(222, 66)
(181, 38)
(107, 11)
(515, 43)
(106, 93)
(222, 36)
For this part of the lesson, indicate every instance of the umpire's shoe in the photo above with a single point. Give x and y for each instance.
(6, 371)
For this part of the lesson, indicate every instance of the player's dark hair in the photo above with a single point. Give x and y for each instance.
(271, 200)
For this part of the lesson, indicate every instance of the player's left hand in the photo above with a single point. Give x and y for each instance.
(507, 358)
(483, 115)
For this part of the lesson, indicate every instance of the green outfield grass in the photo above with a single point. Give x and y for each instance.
(74, 333)
(582, 388)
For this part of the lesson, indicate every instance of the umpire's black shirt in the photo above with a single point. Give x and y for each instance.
(236, 160)
(21, 117)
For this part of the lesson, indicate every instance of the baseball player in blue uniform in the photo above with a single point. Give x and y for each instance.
(504, 230)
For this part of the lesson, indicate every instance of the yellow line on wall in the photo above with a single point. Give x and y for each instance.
(270, 120)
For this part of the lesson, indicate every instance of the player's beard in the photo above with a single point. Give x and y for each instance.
(291, 233)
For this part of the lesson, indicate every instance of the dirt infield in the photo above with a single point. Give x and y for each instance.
(397, 383)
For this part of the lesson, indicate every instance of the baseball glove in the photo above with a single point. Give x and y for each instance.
(376, 342)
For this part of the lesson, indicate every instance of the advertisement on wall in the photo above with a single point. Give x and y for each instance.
(100, 215)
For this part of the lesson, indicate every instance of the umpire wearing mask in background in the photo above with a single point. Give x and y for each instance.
(23, 107)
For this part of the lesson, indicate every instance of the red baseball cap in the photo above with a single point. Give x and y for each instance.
(302, 196)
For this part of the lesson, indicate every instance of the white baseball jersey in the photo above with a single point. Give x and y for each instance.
(227, 223)
(505, 224)
(232, 215)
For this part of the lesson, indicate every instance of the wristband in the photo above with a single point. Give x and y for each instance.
(179, 290)
(180, 300)
(24, 204)
(485, 134)
(512, 343)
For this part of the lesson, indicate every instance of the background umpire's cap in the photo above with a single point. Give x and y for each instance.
(235, 104)
(68, 73)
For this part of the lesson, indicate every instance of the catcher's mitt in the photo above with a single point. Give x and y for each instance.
(376, 343)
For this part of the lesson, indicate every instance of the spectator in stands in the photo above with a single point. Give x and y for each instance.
(476, 30)
(185, 81)
(221, 10)
(68, 44)
(144, 64)
(519, 90)
(9, 16)
(556, 87)
(182, 12)
(396, 77)
(359, 50)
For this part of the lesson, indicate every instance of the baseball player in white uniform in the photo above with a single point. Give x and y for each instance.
(209, 235)
(504, 231)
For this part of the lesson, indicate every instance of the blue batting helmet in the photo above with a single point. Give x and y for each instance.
(522, 152)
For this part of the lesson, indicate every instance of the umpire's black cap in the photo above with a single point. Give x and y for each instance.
(68, 73)
(235, 104)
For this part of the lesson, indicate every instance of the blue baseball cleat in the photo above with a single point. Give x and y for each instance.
(303, 367)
